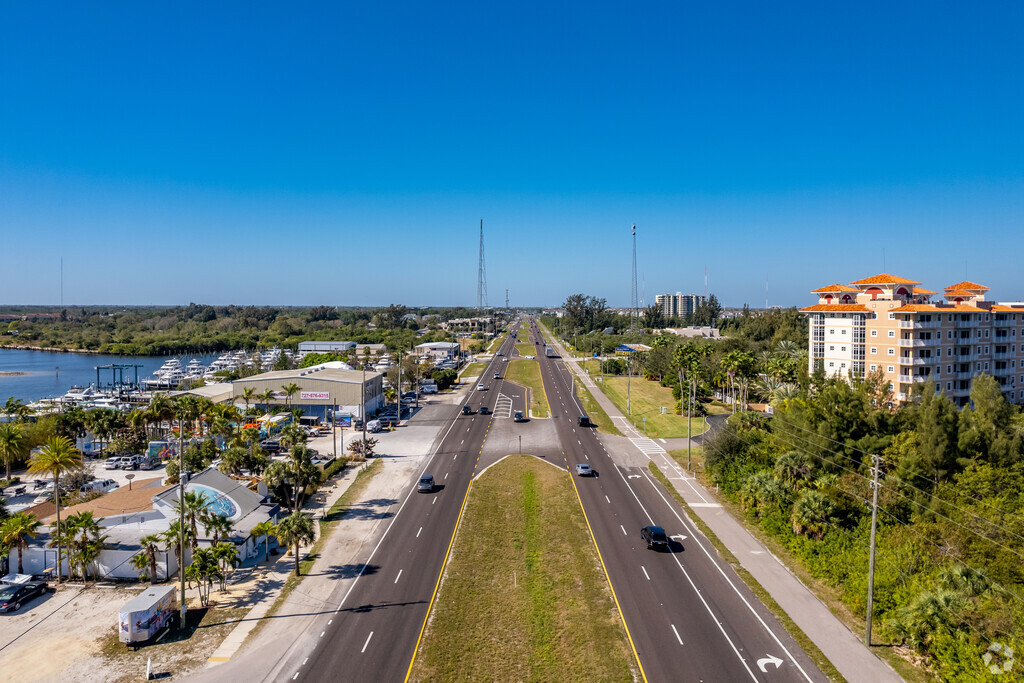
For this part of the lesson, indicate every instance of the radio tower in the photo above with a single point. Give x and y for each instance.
(506, 299)
(633, 303)
(481, 275)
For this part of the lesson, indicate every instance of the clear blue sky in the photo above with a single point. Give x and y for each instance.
(270, 153)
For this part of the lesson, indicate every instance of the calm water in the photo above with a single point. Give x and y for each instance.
(51, 373)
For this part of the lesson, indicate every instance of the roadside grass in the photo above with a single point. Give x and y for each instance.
(526, 350)
(764, 596)
(646, 400)
(527, 373)
(496, 343)
(824, 592)
(594, 410)
(696, 457)
(473, 370)
(182, 651)
(335, 514)
(523, 596)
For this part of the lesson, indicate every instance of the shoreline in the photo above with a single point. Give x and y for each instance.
(53, 349)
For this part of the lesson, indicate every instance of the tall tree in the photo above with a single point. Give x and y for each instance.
(15, 533)
(13, 445)
(294, 531)
(57, 458)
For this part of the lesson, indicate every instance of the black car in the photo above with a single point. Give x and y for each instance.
(654, 536)
(466, 410)
(271, 445)
(13, 596)
(484, 410)
(584, 421)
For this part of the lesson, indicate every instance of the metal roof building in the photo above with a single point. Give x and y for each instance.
(320, 388)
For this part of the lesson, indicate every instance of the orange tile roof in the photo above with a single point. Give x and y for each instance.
(938, 308)
(922, 290)
(885, 279)
(834, 288)
(967, 284)
(1003, 308)
(959, 292)
(836, 307)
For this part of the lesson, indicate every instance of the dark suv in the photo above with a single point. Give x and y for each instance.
(655, 537)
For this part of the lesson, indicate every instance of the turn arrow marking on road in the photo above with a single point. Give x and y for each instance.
(770, 659)
(633, 476)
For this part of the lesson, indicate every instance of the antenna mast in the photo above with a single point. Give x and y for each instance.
(633, 304)
(481, 275)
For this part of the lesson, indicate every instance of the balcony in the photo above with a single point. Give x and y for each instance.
(973, 322)
(900, 396)
(907, 379)
(908, 360)
(920, 342)
(1005, 354)
(918, 325)
(1004, 371)
(1005, 323)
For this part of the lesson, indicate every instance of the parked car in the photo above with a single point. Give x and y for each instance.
(373, 426)
(14, 595)
(466, 410)
(112, 463)
(426, 484)
(131, 462)
(387, 420)
(583, 470)
(271, 445)
(484, 410)
(99, 486)
(654, 536)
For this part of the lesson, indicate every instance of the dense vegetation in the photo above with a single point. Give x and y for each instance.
(949, 577)
(198, 328)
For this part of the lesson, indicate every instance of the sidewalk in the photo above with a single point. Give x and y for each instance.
(840, 645)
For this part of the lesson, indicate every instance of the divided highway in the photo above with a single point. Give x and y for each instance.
(690, 618)
(374, 630)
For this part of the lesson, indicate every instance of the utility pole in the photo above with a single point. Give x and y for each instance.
(183, 610)
(629, 380)
(876, 466)
(362, 409)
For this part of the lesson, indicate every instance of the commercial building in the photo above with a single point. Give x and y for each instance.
(438, 350)
(892, 325)
(470, 325)
(326, 346)
(321, 389)
(678, 305)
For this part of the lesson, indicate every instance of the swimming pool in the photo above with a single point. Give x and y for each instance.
(216, 502)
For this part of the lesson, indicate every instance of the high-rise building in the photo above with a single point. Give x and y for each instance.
(678, 305)
(891, 324)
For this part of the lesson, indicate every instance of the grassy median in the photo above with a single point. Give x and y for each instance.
(526, 350)
(524, 597)
(527, 373)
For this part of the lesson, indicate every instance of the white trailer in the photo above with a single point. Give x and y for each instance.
(145, 615)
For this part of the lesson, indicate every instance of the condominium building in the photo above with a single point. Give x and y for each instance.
(892, 325)
(678, 305)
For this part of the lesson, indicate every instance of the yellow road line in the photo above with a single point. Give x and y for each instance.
(606, 576)
(438, 584)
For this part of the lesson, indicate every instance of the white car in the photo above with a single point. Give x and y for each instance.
(481, 387)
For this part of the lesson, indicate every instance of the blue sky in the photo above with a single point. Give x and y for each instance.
(345, 154)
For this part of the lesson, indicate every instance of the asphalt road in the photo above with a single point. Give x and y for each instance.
(690, 618)
(374, 630)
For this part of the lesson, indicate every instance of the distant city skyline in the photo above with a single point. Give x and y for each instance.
(345, 155)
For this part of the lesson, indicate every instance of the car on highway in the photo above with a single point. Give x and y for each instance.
(484, 410)
(505, 359)
(14, 595)
(426, 484)
(584, 421)
(654, 536)
(497, 375)
(481, 387)
(583, 470)
(530, 357)
(466, 410)
(518, 416)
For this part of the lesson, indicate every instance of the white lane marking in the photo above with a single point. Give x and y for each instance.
(460, 443)
(433, 501)
(295, 676)
(418, 532)
(399, 575)
(304, 661)
(445, 475)
(662, 440)
(623, 530)
(367, 642)
(645, 572)
(606, 498)
(322, 633)
(586, 456)
(456, 457)
(579, 442)
(677, 634)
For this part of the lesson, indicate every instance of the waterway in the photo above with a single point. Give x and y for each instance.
(51, 373)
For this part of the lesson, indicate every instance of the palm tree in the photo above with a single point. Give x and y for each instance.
(195, 510)
(219, 526)
(81, 533)
(226, 555)
(233, 460)
(172, 540)
(813, 513)
(140, 563)
(266, 529)
(12, 444)
(290, 390)
(267, 395)
(16, 407)
(294, 531)
(16, 531)
(59, 456)
(160, 409)
(203, 570)
(247, 395)
(150, 547)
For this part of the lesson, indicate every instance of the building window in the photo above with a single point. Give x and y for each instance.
(986, 349)
(892, 316)
(874, 333)
(831, 364)
(890, 370)
(949, 368)
(843, 332)
(892, 333)
(938, 387)
(949, 334)
(986, 366)
(949, 386)
(874, 350)
(831, 331)
(892, 352)
(874, 368)
(841, 348)
(830, 348)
